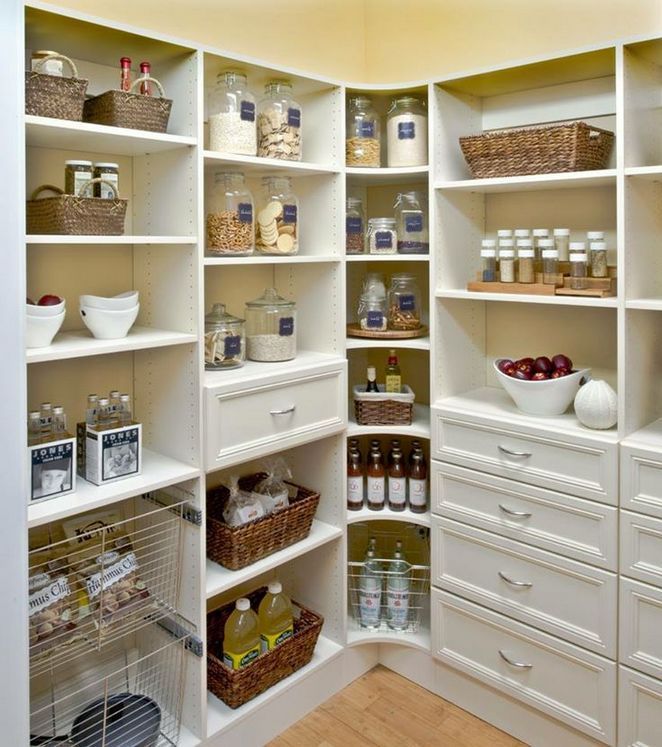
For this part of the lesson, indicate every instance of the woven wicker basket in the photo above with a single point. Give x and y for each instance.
(380, 408)
(132, 110)
(53, 95)
(236, 687)
(575, 146)
(237, 547)
(75, 214)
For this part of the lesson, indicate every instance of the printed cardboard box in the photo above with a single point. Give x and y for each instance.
(109, 454)
(52, 469)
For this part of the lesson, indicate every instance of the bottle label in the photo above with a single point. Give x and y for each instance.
(354, 225)
(238, 661)
(376, 489)
(286, 326)
(417, 492)
(271, 641)
(383, 240)
(105, 191)
(370, 601)
(294, 117)
(393, 383)
(406, 130)
(355, 490)
(407, 302)
(375, 320)
(413, 223)
(245, 212)
(397, 605)
(247, 111)
(232, 346)
(397, 491)
(367, 129)
(289, 213)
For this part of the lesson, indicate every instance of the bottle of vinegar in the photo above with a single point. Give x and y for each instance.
(418, 483)
(241, 639)
(376, 479)
(397, 482)
(275, 615)
(354, 480)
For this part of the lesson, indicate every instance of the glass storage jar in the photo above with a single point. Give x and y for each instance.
(230, 223)
(231, 115)
(362, 133)
(577, 246)
(526, 271)
(372, 313)
(411, 223)
(407, 132)
(382, 237)
(507, 266)
(279, 123)
(271, 333)
(404, 302)
(354, 227)
(225, 341)
(539, 234)
(278, 218)
(578, 271)
(373, 284)
(598, 251)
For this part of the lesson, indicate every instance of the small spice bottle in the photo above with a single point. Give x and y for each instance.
(526, 265)
(599, 259)
(488, 258)
(577, 246)
(578, 271)
(595, 236)
(507, 266)
(109, 172)
(76, 173)
(550, 266)
(538, 234)
(505, 245)
(504, 234)
(522, 233)
(562, 243)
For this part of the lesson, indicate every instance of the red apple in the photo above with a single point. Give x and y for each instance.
(505, 364)
(49, 300)
(540, 376)
(560, 372)
(524, 375)
(543, 365)
(562, 361)
(525, 361)
(526, 368)
(511, 372)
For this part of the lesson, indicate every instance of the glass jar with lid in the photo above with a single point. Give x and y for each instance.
(362, 133)
(354, 226)
(411, 223)
(230, 226)
(278, 217)
(225, 341)
(372, 313)
(382, 237)
(407, 132)
(404, 303)
(232, 114)
(271, 333)
(373, 284)
(279, 123)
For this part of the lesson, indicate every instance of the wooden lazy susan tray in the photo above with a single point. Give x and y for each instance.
(354, 330)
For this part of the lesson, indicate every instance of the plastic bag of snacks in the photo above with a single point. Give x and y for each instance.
(272, 490)
(241, 507)
(52, 602)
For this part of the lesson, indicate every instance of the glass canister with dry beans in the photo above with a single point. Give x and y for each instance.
(230, 210)
(404, 303)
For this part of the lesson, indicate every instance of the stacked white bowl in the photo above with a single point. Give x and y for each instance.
(42, 324)
(110, 318)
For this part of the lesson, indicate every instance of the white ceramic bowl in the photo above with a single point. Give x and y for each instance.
(105, 324)
(40, 330)
(121, 302)
(44, 311)
(547, 397)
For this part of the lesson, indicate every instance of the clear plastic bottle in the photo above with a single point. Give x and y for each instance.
(577, 246)
(278, 218)
(502, 244)
(104, 415)
(275, 616)
(538, 234)
(232, 110)
(126, 415)
(92, 410)
(362, 133)
(411, 223)
(397, 590)
(578, 271)
(241, 636)
(370, 589)
(598, 253)
(46, 415)
(279, 123)
(230, 223)
(59, 422)
(526, 271)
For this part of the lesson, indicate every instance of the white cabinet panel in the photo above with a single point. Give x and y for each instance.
(639, 710)
(640, 627)
(641, 480)
(641, 547)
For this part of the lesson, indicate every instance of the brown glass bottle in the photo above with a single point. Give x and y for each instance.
(376, 479)
(395, 446)
(354, 480)
(418, 483)
(397, 482)
(415, 446)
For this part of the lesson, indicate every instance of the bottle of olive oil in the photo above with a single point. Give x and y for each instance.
(393, 376)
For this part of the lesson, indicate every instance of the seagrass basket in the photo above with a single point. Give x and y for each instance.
(132, 110)
(383, 408)
(53, 95)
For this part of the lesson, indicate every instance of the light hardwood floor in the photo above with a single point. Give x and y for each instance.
(382, 709)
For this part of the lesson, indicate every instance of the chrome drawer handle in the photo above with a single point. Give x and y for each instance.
(286, 411)
(520, 584)
(519, 514)
(518, 664)
(504, 450)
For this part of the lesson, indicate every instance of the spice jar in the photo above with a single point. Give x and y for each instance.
(225, 342)
(577, 246)
(504, 245)
(526, 264)
(404, 302)
(598, 250)
(381, 237)
(488, 262)
(595, 236)
(109, 172)
(550, 266)
(538, 234)
(407, 132)
(279, 123)
(232, 126)
(278, 219)
(354, 227)
(578, 271)
(562, 243)
(362, 133)
(411, 223)
(507, 266)
(371, 312)
(230, 227)
(76, 174)
(504, 233)
(271, 328)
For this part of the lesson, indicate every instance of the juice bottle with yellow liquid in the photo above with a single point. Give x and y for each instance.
(275, 613)
(241, 640)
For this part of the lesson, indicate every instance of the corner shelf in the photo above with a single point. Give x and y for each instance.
(366, 177)
(608, 303)
(419, 428)
(420, 640)
(358, 343)
(406, 516)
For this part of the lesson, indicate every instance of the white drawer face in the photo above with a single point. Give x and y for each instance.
(560, 596)
(580, 529)
(641, 481)
(641, 547)
(588, 469)
(639, 710)
(239, 425)
(640, 627)
(562, 680)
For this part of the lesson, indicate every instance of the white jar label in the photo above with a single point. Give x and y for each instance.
(355, 490)
(105, 191)
(383, 239)
(397, 605)
(397, 490)
(417, 492)
(376, 490)
(247, 111)
(406, 130)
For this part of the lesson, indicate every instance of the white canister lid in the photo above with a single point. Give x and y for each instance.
(524, 243)
(595, 235)
(488, 243)
(78, 163)
(507, 243)
(506, 254)
(561, 232)
(504, 233)
(526, 254)
(598, 246)
(487, 253)
(522, 232)
(550, 253)
(546, 243)
(578, 257)
(541, 232)
(104, 165)
(577, 246)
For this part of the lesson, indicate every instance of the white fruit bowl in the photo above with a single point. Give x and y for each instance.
(105, 324)
(44, 311)
(40, 330)
(548, 397)
(121, 302)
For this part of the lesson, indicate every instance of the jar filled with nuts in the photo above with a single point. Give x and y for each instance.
(232, 115)
(225, 341)
(230, 222)
(362, 134)
(279, 123)
(404, 303)
(354, 226)
(278, 218)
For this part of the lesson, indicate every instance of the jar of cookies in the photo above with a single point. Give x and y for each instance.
(278, 218)
(404, 303)
(225, 341)
(232, 115)
(230, 223)
(362, 134)
(279, 123)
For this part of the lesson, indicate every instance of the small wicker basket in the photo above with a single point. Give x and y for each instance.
(237, 686)
(132, 110)
(53, 95)
(381, 408)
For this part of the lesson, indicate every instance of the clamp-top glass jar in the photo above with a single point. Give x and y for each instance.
(230, 209)
(411, 223)
(225, 341)
(404, 303)
(382, 237)
(278, 217)
(407, 132)
(271, 333)
(279, 123)
(232, 115)
(362, 133)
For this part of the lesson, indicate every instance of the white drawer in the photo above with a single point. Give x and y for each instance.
(641, 547)
(570, 464)
(562, 680)
(641, 480)
(640, 627)
(639, 710)
(583, 530)
(569, 599)
(243, 423)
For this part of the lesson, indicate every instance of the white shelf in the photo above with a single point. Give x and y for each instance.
(261, 259)
(80, 343)
(366, 177)
(570, 180)
(365, 514)
(220, 716)
(417, 343)
(219, 579)
(649, 437)
(158, 471)
(254, 165)
(650, 173)
(420, 426)
(420, 640)
(647, 304)
(44, 132)
(609, 303)
(387, 257)
(90, 239)
(186, 738)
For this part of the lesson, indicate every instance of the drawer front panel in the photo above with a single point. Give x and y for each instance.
(640, 627)
(560, 596)
(639, 710)
(580, 529)
(641, 481)
(562, 680)
(641, 547)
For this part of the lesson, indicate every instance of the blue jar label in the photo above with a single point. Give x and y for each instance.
(286, 326)
(232, 346)
(413, 223)
(245, 212)
(384, 240)
(247, 111)
(289, 213)
(375, 320)
(406, 131)
(354, 225)
(407, 302)
(294, 117)
(367, 129)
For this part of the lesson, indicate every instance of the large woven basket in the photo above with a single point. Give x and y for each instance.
(53, 95)
(381, 408)
(75, 214)
(237, 686)
(575, 146)
(132, 110)
(237, 547)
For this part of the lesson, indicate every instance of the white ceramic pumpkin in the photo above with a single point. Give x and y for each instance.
(596, 405)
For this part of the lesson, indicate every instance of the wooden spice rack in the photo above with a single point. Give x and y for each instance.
(597, 287)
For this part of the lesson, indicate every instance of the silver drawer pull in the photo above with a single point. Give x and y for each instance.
(504, 450)
(518, 664)
(286, 411)
(518, 514)
(520, 584)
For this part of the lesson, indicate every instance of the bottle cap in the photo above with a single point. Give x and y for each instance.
(488, 243)
(526, 253)
(114, 393)
(542, 232)
(598, 246)
(275, 587)
(78, 163)
(372, 372)
(550, 253)
(504, 233)
(522, 232)
(561, 232)
(595, 235)
(488, 253)
(546, 243)
(105, 165)
(45, 405)
(103, 401)
(577, 246)
(58, 410)
(35, 416)
(505, 243)
(524, 244)
(124, 397)
(506, 254)
(243, 604)
(578, 257)
(125, 61)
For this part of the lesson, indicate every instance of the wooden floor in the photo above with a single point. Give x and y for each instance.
(382, 709)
